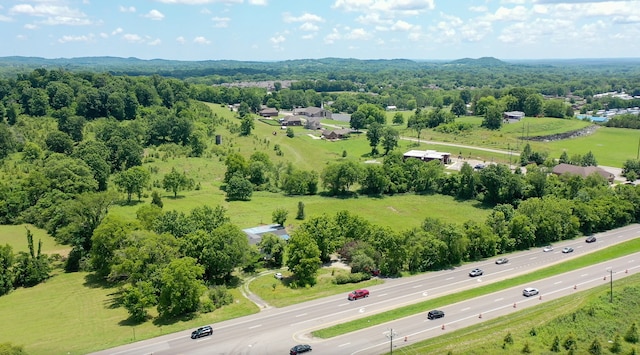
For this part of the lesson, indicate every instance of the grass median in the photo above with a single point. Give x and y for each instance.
(612, 252)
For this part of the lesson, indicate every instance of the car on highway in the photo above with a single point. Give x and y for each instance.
(435, 314)
(530, 291)
(590, 239)
(354, 295)
(502, 261)
(547, 248)
(201, 332)
(475, 272)
(479, 166)
(567, 250)
(278, 275)
(299, 349)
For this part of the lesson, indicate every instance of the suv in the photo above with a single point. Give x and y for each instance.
(357, 294)
(530, 291)
(202, 331)
(435, 314)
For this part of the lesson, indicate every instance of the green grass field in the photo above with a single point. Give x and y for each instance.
(16, 237)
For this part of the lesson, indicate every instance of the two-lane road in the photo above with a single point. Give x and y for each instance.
(274, 331)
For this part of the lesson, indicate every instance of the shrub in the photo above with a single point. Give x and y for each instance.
(632, 334)
(342, 279)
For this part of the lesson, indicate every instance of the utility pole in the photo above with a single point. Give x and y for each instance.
(611, 285)
(390, 336)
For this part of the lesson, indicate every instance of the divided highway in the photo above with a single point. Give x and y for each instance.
(276, 330)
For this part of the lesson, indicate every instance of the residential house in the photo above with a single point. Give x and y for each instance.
(336, 133)
(268, 112)
(312, 123)
(291, 121)
(313, 112)
(583, 171)
(255, 234)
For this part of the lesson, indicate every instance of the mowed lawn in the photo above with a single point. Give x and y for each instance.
(71, 314)
(16, 237)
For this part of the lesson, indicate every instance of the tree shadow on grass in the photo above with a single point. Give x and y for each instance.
(167, 320)
(92, 280)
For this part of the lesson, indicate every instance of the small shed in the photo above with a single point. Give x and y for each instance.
(513, 115)
(336, 133)
(428, 155)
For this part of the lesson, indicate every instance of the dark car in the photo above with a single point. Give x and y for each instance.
(299, 349)
(502, 261)
(354, 295)
(590, 239)
(435, 314)
(475, 272)
(202, 331)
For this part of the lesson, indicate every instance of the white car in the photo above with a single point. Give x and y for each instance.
(567, 250)
(530, 291)
(278, 275)
(547, 248)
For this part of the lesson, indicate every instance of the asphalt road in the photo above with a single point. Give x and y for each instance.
(275, 330)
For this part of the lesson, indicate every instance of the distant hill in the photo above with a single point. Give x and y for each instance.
(483, 62)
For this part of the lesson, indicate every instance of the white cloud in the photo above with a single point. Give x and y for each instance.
(53, 14)
(306, 17)
(83, 38)
(201, 40)
(358, 34)
(132, 38)
(154, 15)
(309, 36)
(155, 42)
(404, 26)
(200, 2)
(22, 37)
(205, 11)
(127, 9)
(309, 27)
(30, 26)
(478, 8)
(258, 2)
(4, 18)
(392, 7)
(276, 40)
(104, 35)
(518, 13)
(548, 30)
(221, 22)
(518, 2)
(116, 31)
(180, 40)
(332, 37)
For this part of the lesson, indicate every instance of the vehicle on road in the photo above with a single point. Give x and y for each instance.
(502, 261)
(435, 314)
(475, 272)
(567, 250)
(354, 295)
(547, 248)
(590, 239)
(299, 349)
(201, 332)
(278, 275)
(530, 291)
(479, 166)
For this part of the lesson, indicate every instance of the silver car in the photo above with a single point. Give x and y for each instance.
(530, 291)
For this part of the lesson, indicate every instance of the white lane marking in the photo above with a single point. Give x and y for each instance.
(384, 294)
(345, 344)
(256, 326)
(583, 275)
(301, 315)
(465, 309)
(498, 299)
(416, 286)
(533, 257)
(558, 282)
(449, 278)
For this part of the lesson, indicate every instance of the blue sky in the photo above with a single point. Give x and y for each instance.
(296, 29)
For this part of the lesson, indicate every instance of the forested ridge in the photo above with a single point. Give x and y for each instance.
(74, 144)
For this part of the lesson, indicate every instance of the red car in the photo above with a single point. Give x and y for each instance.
(354, 295)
